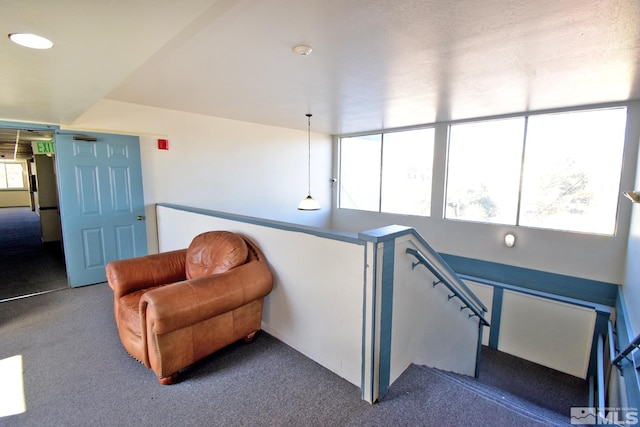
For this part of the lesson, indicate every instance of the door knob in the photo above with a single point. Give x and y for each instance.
(140, 218)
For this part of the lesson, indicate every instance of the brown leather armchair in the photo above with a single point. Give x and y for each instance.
(174, 308)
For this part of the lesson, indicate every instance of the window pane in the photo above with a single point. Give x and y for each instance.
(3, 176)
(572, 170)
(360, 172)
(407, 165)
(483, 177)
(14, 175)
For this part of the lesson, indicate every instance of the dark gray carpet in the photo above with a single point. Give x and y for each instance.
(531, 381)
(76, 373)
(425, 396)
(28, 265)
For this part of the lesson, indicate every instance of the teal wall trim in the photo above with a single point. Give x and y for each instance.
(601, 328)
(316, 231)
(390, 232)
(364, 331)
(386, 314)
(374, 321)
(624, 335)
(33, 126)
(496, 314)
(479, 350)
(559, 284)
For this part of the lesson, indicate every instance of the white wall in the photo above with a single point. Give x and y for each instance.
(580, 255)
(550, 333)
(221, 164)
(316, 303)
(631, 284)
(428, 328)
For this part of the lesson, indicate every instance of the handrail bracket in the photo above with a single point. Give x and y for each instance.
(457, 288)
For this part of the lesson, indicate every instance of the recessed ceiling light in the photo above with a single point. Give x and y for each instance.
(31, 40)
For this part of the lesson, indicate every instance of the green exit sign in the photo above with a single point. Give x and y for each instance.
(43, 147)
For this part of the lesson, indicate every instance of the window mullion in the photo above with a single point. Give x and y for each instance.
(381, 165)
(524, 148)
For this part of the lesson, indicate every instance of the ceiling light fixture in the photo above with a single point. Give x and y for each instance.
(32, 41)
(302, 49)
(309, 203)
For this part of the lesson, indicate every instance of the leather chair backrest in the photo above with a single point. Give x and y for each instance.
(215, 252)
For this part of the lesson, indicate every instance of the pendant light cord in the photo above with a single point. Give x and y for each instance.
(309, 151)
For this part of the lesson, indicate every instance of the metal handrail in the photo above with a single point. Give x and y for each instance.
(478, 309)
(447, 268)
(633, 345)
(610, 338)
(600, 375)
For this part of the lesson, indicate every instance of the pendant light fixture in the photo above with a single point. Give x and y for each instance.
(309, 203)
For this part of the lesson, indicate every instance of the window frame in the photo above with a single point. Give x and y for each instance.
(526, 117)
(5, 186)
(381, 166)
(440, 170)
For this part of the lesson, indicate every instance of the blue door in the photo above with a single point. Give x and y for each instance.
(101, 202)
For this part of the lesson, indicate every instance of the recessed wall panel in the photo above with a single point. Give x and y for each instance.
(93, 240)
(84, 149)
(116, 151)
(87, 185)
(125, 242)
(120, 185)
(551, 333)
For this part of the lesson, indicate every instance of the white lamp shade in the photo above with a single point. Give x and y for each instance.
(309, 204)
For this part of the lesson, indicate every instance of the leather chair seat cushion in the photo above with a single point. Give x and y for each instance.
(129, 311)
(215, 252)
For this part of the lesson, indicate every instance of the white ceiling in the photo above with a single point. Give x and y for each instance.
(375, 63)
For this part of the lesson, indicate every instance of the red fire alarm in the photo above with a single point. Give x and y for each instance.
(163, 144)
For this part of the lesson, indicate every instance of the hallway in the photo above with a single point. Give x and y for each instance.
(28, 265)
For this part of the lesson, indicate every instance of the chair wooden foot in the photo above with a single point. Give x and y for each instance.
(251, 337)
(171, 379)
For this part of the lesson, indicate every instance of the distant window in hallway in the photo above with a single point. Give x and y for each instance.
(388, 172)
(555, 171)
(11, 176)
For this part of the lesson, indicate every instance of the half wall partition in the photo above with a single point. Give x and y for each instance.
(355, 303)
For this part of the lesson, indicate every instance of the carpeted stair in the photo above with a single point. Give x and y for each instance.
(503, 398)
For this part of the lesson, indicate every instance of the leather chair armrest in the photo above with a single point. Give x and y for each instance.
(133, 274)
(186, 303)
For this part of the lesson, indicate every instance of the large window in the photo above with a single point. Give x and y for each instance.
(388, 172)
(11, 176)
(484, 171)
(558, 171)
